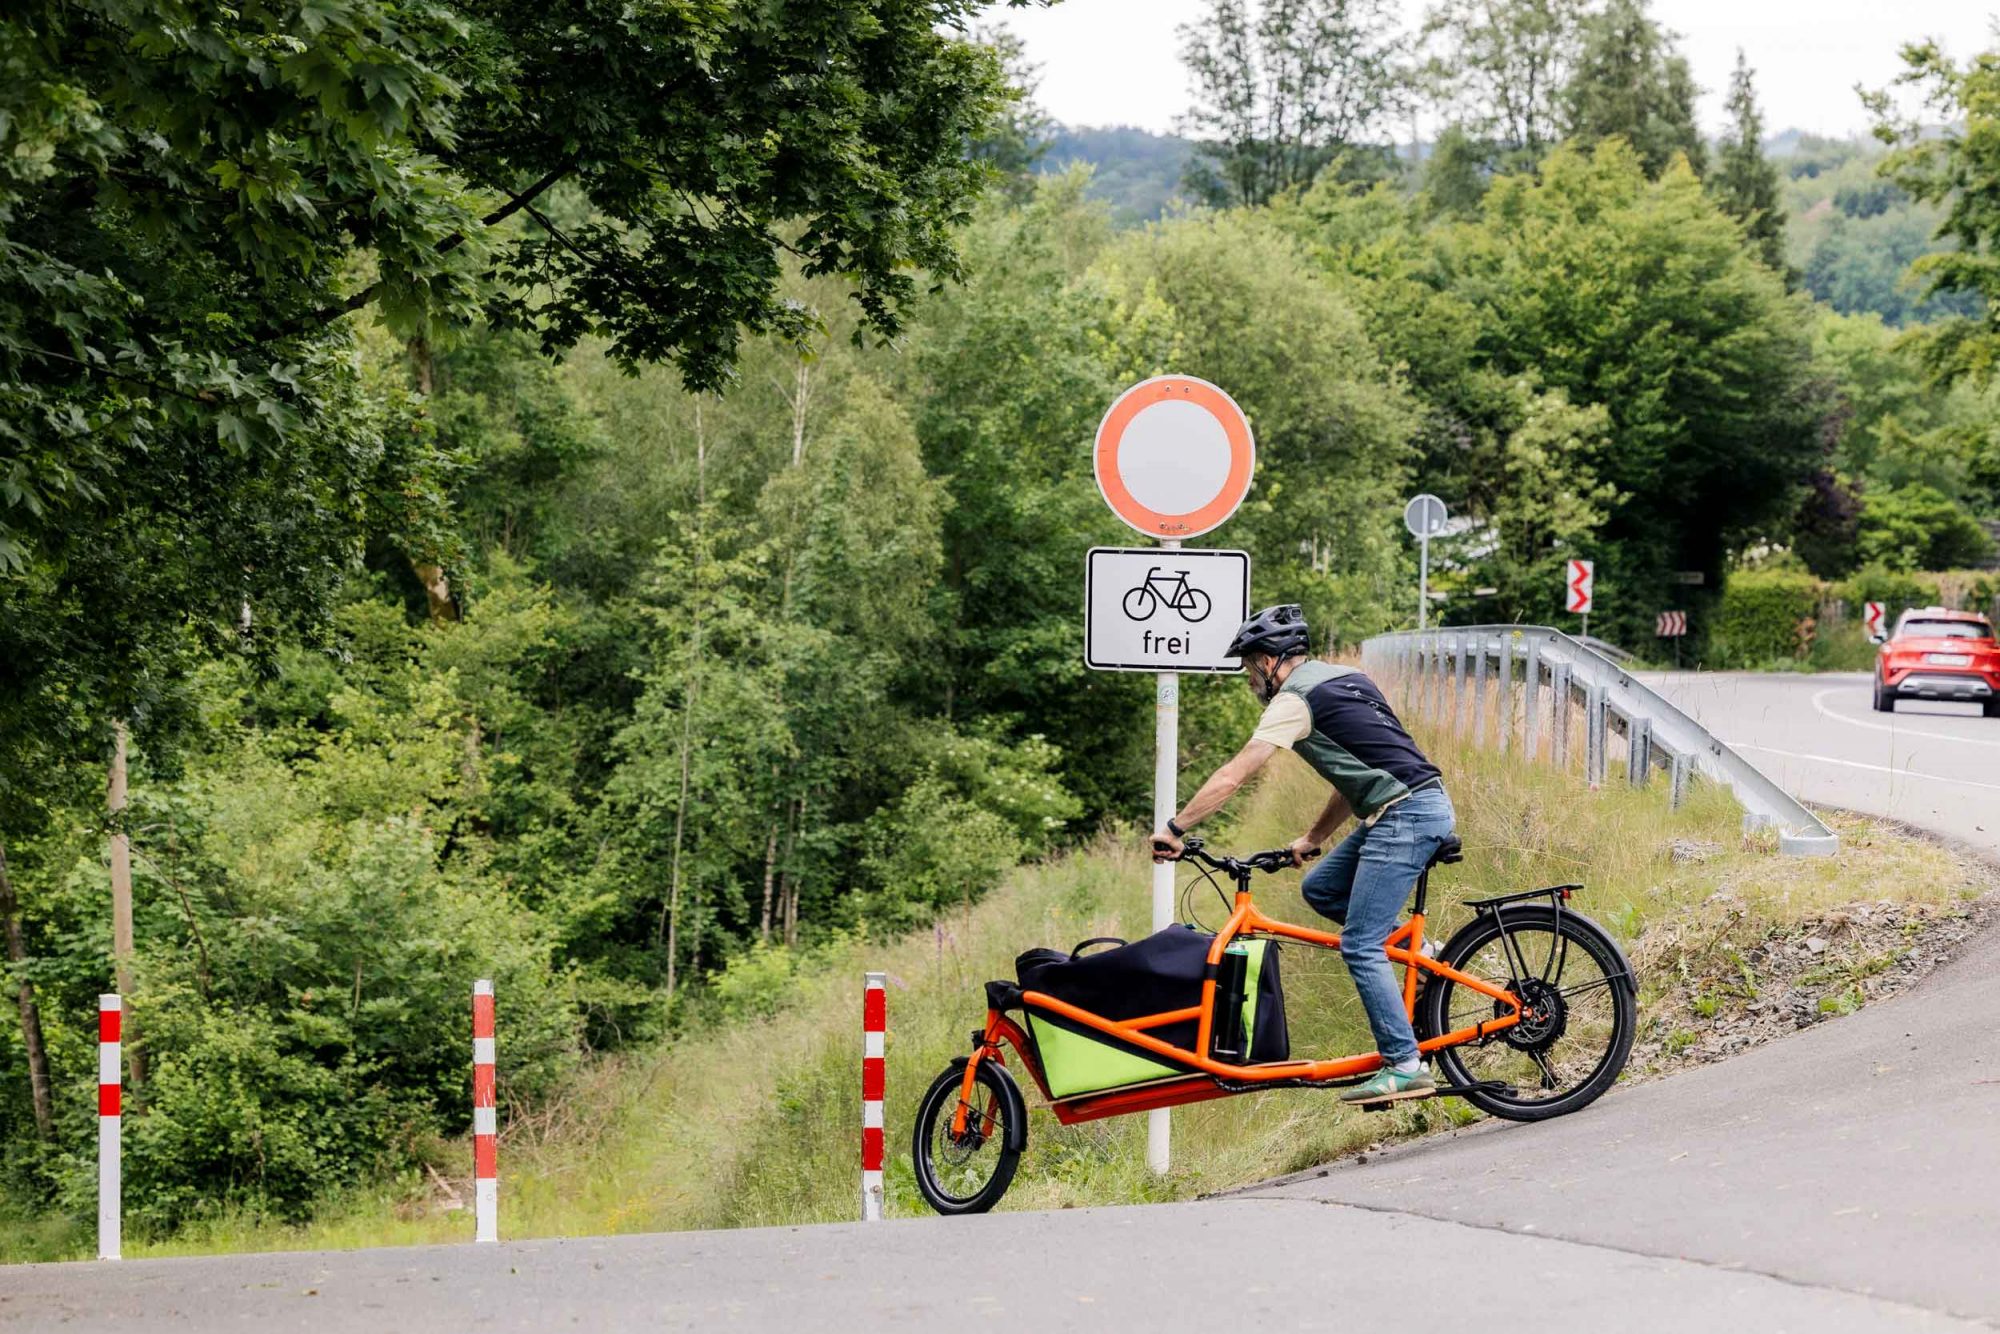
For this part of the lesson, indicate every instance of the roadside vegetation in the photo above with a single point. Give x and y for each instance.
(629, 547)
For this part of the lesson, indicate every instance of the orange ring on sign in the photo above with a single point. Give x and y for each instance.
(1235, 427)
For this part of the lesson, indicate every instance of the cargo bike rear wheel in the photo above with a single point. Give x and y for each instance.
(967, 1173)
(1579, 1012)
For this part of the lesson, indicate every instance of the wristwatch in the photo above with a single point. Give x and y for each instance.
(1176, 830)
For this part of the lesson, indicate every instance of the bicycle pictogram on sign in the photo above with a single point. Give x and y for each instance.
(1170, 590)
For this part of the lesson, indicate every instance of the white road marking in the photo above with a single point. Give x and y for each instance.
(1857, 764)
(1906, 733)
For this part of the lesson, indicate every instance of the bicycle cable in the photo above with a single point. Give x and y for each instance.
(1187, 898)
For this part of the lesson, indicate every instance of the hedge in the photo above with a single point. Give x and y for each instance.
(1758, 617)
(1758, 620)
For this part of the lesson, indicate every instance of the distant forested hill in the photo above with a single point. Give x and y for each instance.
(1851, 233)
(1137, 172)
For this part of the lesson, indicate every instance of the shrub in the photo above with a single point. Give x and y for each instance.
(1761, 615)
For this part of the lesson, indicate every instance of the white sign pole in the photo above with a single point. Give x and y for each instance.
(1173, 459)
(1423, 579)
(1424, 516)
(1166, 774)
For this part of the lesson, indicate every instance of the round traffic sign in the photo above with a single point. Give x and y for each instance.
(1424, 516)
(1174, 456)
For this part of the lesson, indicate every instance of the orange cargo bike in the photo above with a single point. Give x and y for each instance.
(1528, 1012)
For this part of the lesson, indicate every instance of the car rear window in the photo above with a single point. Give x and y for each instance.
(1947, 630)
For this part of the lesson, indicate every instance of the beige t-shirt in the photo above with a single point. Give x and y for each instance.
(1287, 720)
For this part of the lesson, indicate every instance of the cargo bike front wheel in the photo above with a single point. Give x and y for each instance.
(967, 1171)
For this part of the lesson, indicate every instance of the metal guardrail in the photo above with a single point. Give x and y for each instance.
(1467, 676)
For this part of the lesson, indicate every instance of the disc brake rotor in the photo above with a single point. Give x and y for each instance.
(1544, 1015)
(974, 1137)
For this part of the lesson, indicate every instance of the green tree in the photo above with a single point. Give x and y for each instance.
(194, 194)
(1642, 297)
(1020, 132)
(1955, 168)
(1455, 174)
(1744, 182)
(1279, 97)
(1500, 70)
(1918, 527)
(1629, 81)
(1549, 504)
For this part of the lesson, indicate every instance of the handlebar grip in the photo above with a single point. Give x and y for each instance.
(1161, 845)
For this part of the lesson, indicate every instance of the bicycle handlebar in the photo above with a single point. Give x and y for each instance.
(1270, 862)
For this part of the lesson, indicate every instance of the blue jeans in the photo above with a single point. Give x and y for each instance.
(1363, 884)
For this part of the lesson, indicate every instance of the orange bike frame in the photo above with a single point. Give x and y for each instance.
(1402, 947)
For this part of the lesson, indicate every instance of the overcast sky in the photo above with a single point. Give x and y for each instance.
(1110, 62)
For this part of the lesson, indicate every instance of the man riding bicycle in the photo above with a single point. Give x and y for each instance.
(1337, 720)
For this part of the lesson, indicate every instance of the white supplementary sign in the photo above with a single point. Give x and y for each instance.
(1581, 580)
(1671, 625)
(1150, 610)
(1871, 620)
(1174, 457)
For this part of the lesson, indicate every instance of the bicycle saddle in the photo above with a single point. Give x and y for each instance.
(1449, 851)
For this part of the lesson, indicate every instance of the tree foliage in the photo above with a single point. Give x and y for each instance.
(1744, 182)
(1501, 71)
(1953, 169)
(1629, 81)
(1280, 95)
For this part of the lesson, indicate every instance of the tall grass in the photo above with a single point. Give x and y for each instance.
(757, 1121)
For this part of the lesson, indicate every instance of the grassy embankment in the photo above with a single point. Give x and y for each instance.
(756, 1121)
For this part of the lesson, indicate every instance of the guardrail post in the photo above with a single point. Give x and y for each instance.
(1679, 769)
(1559, 713)
(1458, 708)
(1503, 694)
(1638, 750)
(1532, 681)
(1479, 690)
(1435, 710)
(1593, 735)
(1418, 666)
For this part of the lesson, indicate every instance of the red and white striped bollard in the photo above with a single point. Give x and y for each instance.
(874, 1024)
(110, 1118)
(485, 1125)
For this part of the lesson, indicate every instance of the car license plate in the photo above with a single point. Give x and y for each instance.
(1949, 659)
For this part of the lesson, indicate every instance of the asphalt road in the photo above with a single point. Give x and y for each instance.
(1846, 1178)
(1934, 765)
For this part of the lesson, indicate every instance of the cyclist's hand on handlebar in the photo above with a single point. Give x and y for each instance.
(1167, 846)
(1303, 850)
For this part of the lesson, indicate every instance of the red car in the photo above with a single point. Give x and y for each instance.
(1939, 654)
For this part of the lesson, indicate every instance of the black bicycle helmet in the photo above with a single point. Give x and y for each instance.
(1279, 631)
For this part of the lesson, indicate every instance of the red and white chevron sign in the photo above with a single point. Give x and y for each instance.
(1871, 621)
(1671, 625)
(1581, 580)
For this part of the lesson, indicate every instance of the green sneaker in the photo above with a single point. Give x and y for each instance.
(1393, 1086)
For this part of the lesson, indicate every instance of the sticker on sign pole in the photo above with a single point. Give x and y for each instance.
(1174, 456)
(1148, 610)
